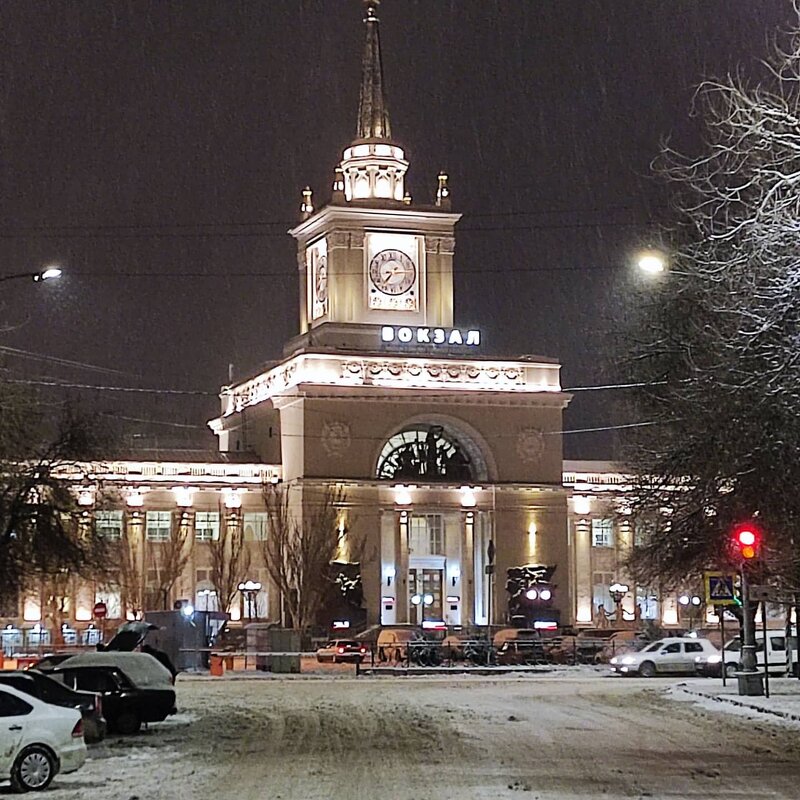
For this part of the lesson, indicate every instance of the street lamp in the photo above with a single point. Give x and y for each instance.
(618, 592)
(653, 262)
(250, 590)
(47, 274)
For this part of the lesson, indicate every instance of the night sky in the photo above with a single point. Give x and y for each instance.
(158, 149)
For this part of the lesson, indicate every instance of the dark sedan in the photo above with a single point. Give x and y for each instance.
(136, 689)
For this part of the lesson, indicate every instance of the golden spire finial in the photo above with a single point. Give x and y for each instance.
(373, 113)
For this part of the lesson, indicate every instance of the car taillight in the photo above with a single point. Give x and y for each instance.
(363, 649)
(341, 649)
(77, 731)
(98, 705)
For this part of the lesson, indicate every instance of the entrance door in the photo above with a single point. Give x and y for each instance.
(425, 595)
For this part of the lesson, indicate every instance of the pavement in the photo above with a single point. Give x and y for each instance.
(783, 702)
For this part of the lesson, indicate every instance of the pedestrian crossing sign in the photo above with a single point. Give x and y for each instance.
(719, 588)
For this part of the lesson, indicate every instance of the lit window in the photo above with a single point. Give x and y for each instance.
(602, 533)
(159, 524)
(206, 526)
(255, 526)
(108, 524)
(425, 535)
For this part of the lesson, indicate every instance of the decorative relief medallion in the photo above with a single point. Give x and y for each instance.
(530, 445)
(335, 438)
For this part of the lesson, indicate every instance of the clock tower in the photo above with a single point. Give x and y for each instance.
(372, 257)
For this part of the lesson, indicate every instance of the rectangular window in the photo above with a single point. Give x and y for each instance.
(426, 535)
(159, 524)
(602, 533)
(108, 524)
(206, 526)
(255, 526)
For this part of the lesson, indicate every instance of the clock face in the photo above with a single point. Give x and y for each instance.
(321, 280)
(392, 272)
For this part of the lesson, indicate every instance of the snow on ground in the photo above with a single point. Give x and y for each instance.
(782, 707)
(575, 734)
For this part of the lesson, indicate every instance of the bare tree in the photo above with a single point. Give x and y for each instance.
(129, 552)
(39, 531)
(298, 552)
(713, 349)
(166, 562)
(230, 562)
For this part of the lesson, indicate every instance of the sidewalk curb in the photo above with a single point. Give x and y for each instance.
(750, 706)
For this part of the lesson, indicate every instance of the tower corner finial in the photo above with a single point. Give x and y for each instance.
(307, 206)
(337, 192)
(443, 192)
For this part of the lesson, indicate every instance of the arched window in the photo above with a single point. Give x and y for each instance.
(425, 452)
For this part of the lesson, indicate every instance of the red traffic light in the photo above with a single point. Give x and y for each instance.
(746, 541)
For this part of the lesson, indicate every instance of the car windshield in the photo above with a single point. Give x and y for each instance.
(653, 647)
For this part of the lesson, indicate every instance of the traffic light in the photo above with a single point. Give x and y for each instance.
(747, 541)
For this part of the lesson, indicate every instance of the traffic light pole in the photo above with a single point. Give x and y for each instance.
(750, 679)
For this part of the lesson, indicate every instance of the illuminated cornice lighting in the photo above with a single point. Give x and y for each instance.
(402, 495)
(393, 372)
(184, 495)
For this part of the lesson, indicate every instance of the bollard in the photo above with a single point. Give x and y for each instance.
(217, 666)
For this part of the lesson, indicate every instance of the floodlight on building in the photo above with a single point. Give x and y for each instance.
(402, 495)
(468, 497)
(233, 498)
(184, 496)
(86, 497)
(581, 504)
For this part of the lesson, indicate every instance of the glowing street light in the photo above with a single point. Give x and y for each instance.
(652, 262)
(47, 274)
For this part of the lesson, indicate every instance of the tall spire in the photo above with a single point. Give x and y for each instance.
(373, 113)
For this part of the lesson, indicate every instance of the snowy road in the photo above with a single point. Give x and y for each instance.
(547, 738)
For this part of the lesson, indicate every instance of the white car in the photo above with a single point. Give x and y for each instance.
(680, 654)
(37, 740)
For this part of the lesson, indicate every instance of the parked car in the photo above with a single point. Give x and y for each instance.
(134, 686)
(777, 654)
(678, 655)
(44, 688)
(50, 661)
(37, 740)
(342, 650)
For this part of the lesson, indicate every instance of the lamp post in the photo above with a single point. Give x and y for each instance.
(618, 592)
(47, 274)
(250, 590)
(692, 604)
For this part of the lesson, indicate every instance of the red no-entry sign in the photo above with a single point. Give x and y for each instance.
(100, 610)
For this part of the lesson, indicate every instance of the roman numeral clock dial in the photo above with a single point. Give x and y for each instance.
(392, 274)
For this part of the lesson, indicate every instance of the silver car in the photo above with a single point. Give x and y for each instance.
(677, 655)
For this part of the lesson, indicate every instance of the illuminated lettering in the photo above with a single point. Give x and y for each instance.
(435, 336)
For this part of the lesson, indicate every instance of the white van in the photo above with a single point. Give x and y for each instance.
(777, 653)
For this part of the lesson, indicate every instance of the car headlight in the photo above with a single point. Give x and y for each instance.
(714, 659)
(629, 660)
(613, 660)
